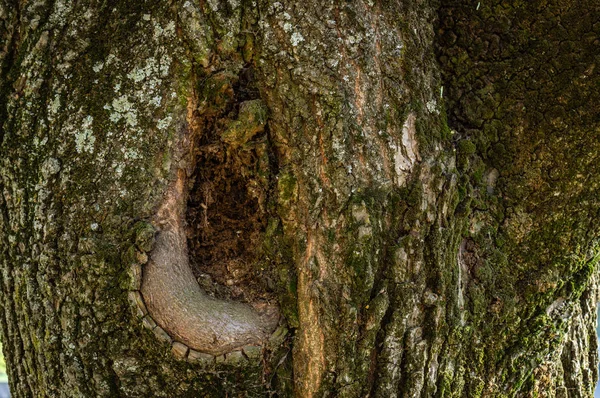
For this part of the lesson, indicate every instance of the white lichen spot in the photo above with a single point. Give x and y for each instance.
(432, 106)
(121, 104)
(156, 101)
(98, 66)
(84, 139)
(296, 38)
(50, 167)
(146, 17)
(37, 226)
(131, 119)
(137, 75)
(110, 59)
(119, 170)
(115, 117)
(71, 55)
(170, 28)
(123, 109)
(165, 64)
(94, 226)
(61, 8)
(158, 31)
(214, 5)
(164, 123)
(55, 104)
(131, 154)
(288, 27)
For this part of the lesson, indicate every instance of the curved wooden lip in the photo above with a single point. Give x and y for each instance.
(177, 304)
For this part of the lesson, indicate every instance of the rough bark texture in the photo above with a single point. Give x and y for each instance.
(409, 188)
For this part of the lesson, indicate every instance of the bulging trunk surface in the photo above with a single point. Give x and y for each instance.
(343, 199)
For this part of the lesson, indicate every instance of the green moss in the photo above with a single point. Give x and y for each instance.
(251, 120)
(144, 234)
(466, 147)
(216, 93)
(287, 187)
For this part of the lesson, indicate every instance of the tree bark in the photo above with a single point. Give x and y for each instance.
(256, 198)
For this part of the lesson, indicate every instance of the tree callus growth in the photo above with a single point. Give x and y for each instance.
(237, 198)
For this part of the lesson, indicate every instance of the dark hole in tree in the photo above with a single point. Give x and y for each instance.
(226, 214)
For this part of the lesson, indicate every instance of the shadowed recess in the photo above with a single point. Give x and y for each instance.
(211, 228)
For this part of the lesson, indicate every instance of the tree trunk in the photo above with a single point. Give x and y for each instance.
(252, 198)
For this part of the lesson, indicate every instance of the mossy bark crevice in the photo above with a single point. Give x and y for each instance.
(521, 84)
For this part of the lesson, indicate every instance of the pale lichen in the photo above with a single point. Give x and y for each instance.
(296, 38)
(84, 139)
(98, 66)
(50, 167)
(164, 123)
(55, 104)
(122, 109)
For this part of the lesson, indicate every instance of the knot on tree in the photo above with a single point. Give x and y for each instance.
(211, 225)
